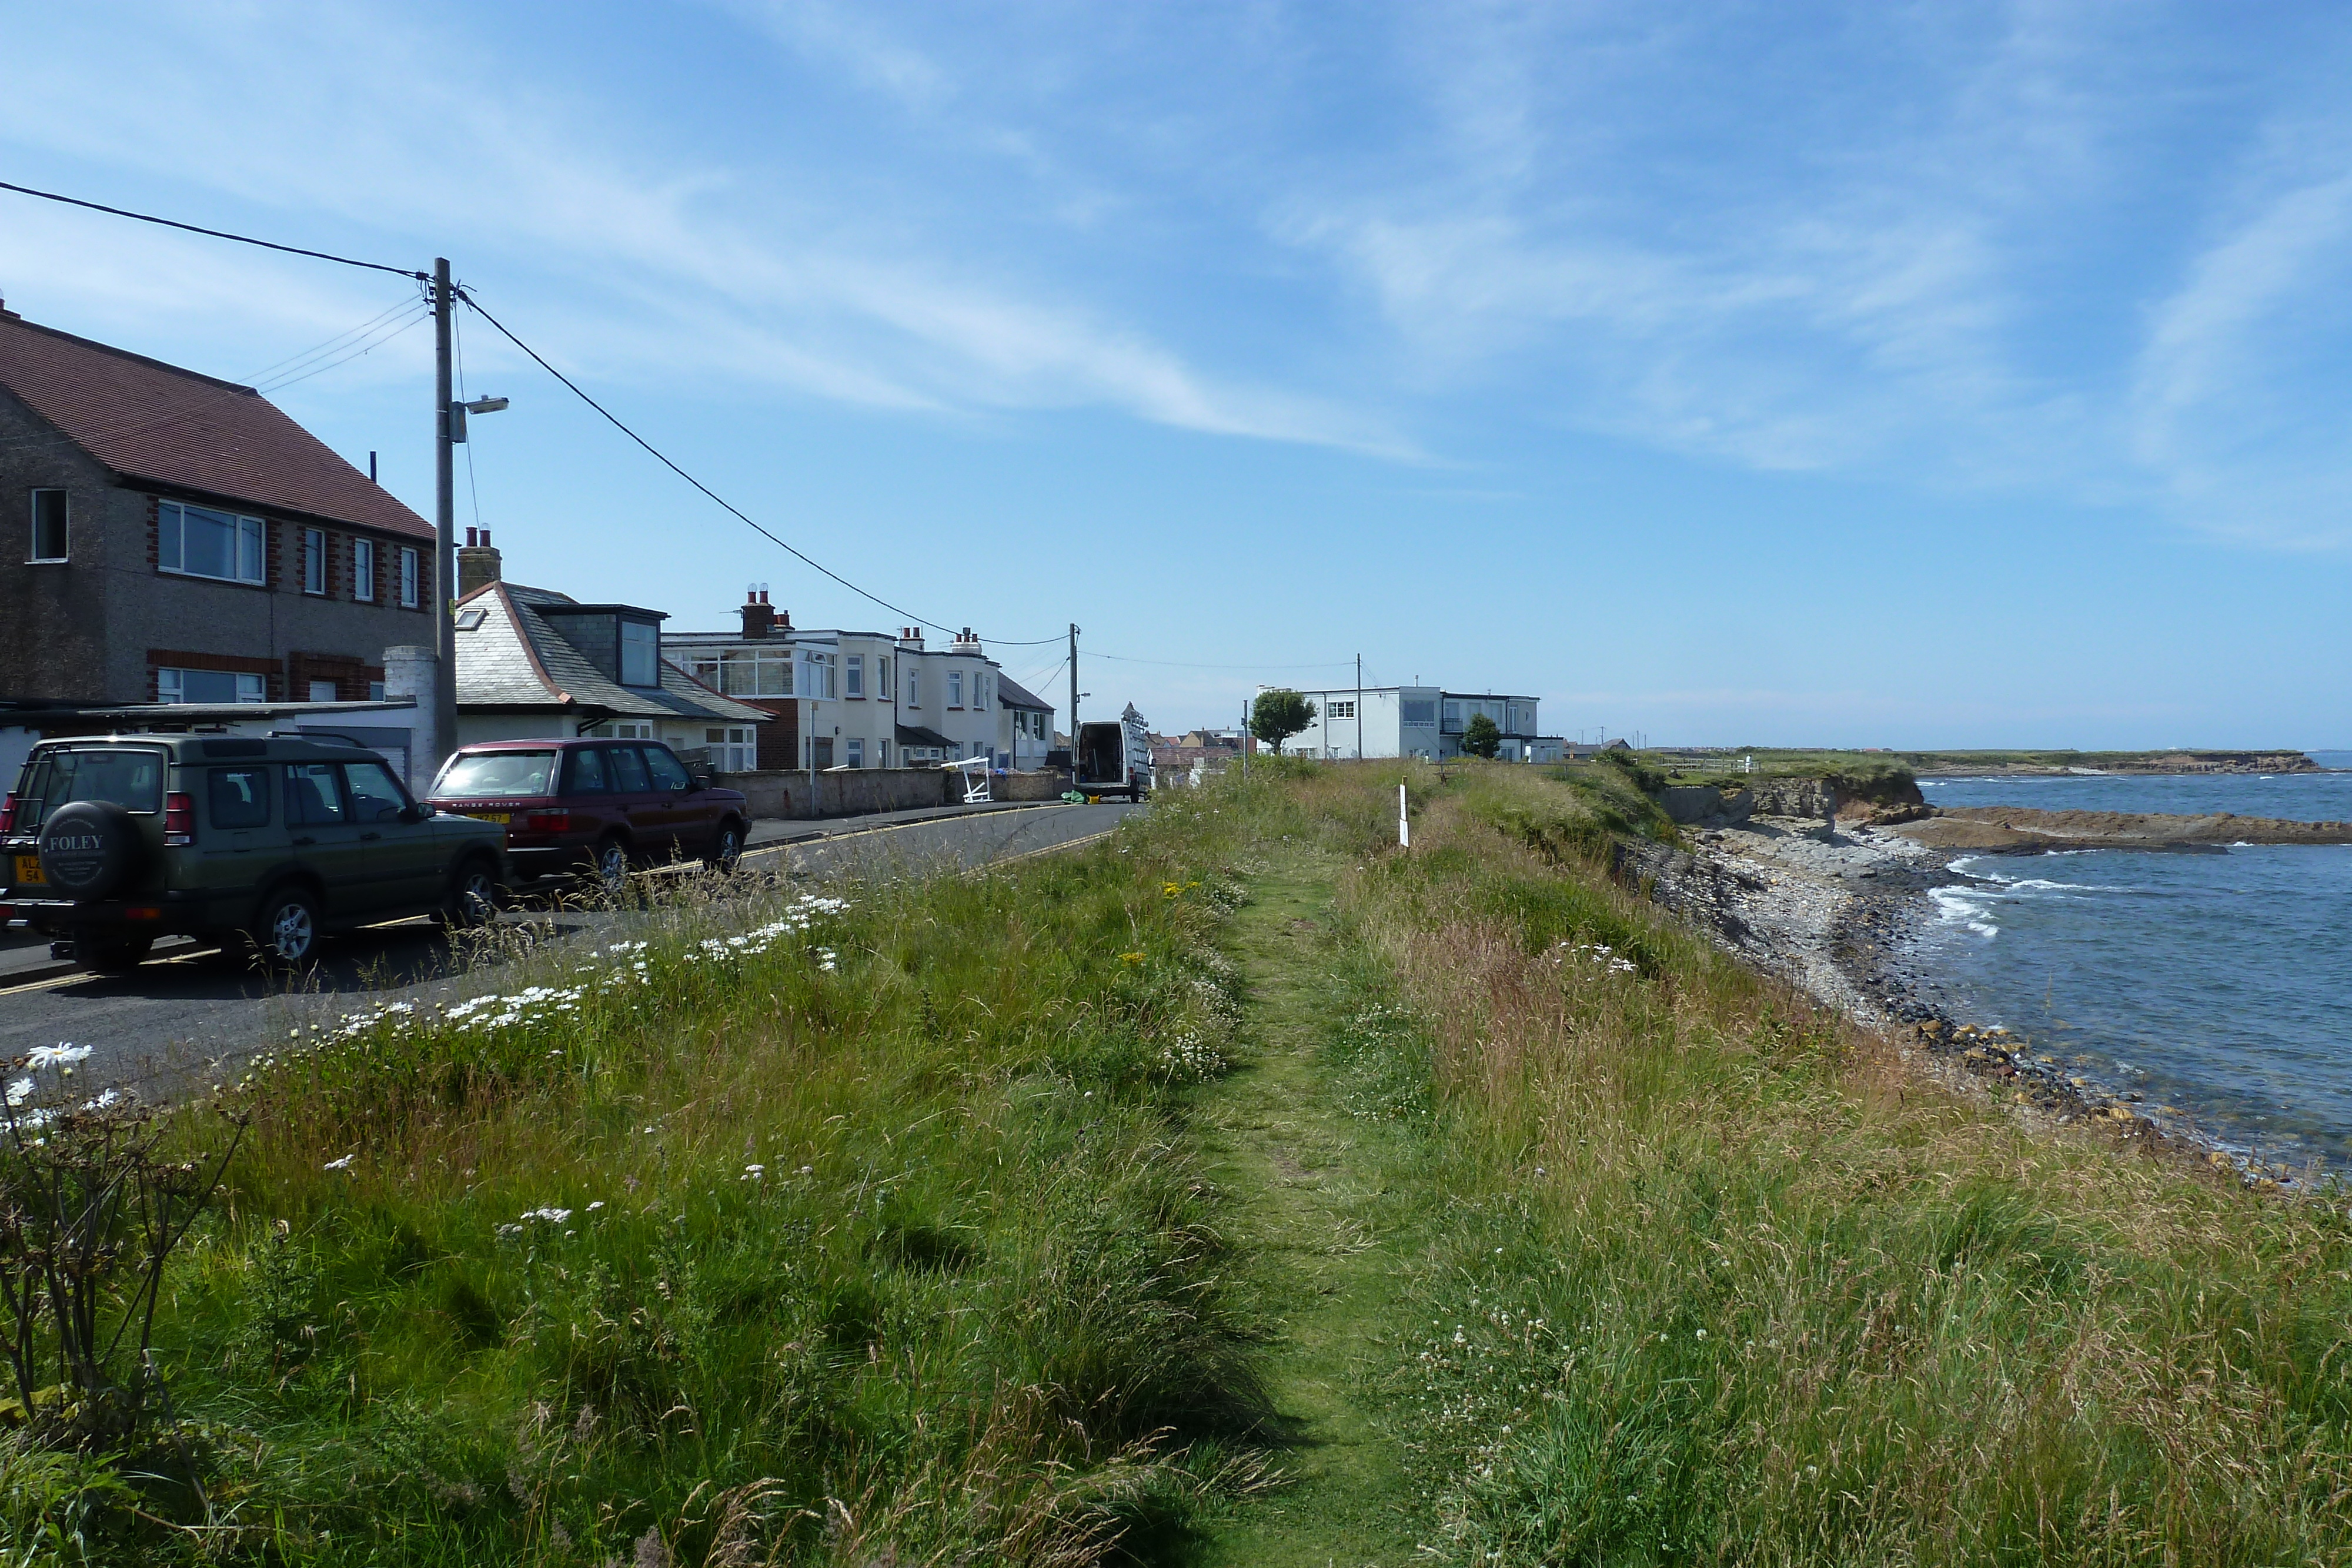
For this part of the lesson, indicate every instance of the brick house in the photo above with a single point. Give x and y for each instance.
(167, 537)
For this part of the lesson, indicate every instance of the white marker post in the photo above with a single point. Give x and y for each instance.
(1404, 823)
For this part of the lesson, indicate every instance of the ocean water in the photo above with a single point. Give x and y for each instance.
(2217, 984)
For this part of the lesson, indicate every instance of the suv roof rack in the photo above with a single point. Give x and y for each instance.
(318, 735)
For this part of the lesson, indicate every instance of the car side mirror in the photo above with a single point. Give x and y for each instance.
(415, 813)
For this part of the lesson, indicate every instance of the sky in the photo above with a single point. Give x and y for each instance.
(1932, 375)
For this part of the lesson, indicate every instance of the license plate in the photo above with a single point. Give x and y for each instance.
(28, 871)
(489, 816)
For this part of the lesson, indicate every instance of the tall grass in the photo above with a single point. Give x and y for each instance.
(1722, 1282)
(783, 1230)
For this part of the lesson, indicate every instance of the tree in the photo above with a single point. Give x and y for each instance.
(1277, 716)
(1481, 736)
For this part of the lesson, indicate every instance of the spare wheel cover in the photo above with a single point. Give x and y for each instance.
(91, 849)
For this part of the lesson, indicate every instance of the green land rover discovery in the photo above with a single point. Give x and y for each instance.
(110, 841)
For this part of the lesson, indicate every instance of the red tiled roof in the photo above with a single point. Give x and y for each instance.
(154, 422)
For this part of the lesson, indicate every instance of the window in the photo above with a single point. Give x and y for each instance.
(323, 691)
(364, 571)
(48, 525)
(314, 560)
(239, 797)
(914, 692)
(747, 671)
(852, 675)
(668, 772)
(587, 772)
(1452, 716)
(856, 751)
(375, 797)
(483, 775)
(410, 596)
(208, 687)
(626, 767)
(375, 691)
(640, 653)
(313, 797)
(1418, 713)
(955, 688)
(816, 683)
(732, 749)
(624, 729)
(1343, 709)
(196, 541)
(132, 780)
(882, 674)
(882, 754)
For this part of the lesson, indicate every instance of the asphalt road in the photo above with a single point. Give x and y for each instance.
(186, 1005)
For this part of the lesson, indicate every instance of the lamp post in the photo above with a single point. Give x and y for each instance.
(448, 430)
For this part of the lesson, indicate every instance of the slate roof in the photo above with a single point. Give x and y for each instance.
(1013, 693)
(916, 735)
(513, 659)
(157, 423)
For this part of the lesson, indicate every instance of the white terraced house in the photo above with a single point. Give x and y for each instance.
(844, 698)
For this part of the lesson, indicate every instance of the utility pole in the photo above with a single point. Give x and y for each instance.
(1246, 739)
(1359, 708)
(1073, 702)
(445, 522)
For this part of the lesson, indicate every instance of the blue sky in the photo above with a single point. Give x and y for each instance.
(1871, 375)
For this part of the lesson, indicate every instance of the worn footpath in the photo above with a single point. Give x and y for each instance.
(1314, 1199)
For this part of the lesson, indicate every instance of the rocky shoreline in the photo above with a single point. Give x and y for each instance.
(1835, 909)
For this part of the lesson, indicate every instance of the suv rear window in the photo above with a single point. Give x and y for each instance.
(132, 777)
(482, 774)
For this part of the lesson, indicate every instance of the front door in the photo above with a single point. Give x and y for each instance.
(683, 811)
(404, 858)
(633, 788)
(821, 754)
(325, 839)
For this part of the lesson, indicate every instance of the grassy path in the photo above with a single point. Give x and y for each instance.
(1314, 1201)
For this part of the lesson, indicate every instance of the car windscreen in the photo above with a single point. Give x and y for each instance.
(477, 776)
(131, 777)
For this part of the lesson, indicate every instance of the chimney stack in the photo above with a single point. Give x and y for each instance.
(478, 565)
(758, 616)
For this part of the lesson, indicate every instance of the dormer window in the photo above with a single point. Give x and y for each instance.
(640, 653)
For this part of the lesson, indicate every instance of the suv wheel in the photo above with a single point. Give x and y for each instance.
(726, 847)
(113, 955)
(473, 896)
(612, 864)
(287, 931)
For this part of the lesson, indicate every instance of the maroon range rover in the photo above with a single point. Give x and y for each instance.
(598, 806)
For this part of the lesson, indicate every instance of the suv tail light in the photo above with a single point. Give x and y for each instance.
(179, 818)
(8, 813)
(548, 822)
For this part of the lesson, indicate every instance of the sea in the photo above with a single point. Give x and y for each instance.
(2217, 986)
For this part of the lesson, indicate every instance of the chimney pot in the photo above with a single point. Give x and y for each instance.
(758, 619)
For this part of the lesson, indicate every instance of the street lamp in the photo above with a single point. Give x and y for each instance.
(458, 411)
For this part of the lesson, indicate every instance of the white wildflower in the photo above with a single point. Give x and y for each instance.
(65, 1053)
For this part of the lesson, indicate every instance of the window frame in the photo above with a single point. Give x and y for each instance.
(171, 527)
(364, 565)
(314, 562)
(64, 525)
(177, 684)
(412, 578)
(853, 678)
(646, 642)
(955, 689)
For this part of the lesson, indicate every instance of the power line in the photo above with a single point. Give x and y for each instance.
(739, 514)
(1180, 664)
(364, 347)
(536, 357)
(293, 361)
(215, 234)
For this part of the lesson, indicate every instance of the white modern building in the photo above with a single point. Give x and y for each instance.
(1418, 721)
